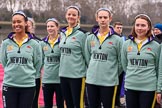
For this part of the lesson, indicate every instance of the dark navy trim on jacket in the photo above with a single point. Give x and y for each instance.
(151, 38)
(95, 30)
(10, 36)
(45, 39)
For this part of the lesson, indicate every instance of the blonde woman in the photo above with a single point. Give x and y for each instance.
(51, 61)
(72, 63)
(31, 29)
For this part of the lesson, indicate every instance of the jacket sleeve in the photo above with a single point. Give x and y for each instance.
(119, 56)
(38, 57)
(124, 60)
(3, 56)
(159, 67)
(87, 50)
(43, 56)
(83, 44)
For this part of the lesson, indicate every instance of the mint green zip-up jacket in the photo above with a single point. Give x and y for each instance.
(20, 63)
(141, 68)
(104, 60)
(51, 62)
(72, 61)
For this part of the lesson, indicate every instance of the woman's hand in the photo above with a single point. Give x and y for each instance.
(158, 98)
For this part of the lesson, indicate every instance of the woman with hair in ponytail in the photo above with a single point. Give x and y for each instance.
(21, 59)
(51, 64)
(31, 29)
(72, 63)
(102, 49)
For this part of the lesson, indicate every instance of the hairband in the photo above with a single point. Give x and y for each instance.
(104, 9)
(144, 16)
(20, 13)
(75, 7)
(52, 19)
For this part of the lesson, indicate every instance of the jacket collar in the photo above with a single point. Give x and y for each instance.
(95, 30)
(47, 38)
(151, 38)
(74, 28)
(11, 35)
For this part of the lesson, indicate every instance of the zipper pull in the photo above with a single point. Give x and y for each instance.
(18, 50)
(100, 47)
(138, 53)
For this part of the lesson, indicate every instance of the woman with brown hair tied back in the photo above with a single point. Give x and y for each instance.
(102, 51)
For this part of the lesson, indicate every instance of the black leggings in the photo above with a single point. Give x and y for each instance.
(101, 94)
(35, 101)
(140, 99)
(73, 91)
(18, 97)
(86, 102)
(48, 93)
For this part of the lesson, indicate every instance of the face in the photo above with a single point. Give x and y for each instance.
(118, 29)
(18, 23)
(72, 16)
(30, 26)
(141, 27)
(52, 28)
(156, 31)
(103, 18)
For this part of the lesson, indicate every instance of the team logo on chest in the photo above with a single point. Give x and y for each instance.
(73, 39)
(110, 43)
(149, 49)
(29, 47)
(92, 43)
(129, 49)
(45, 48)
(9, 47)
